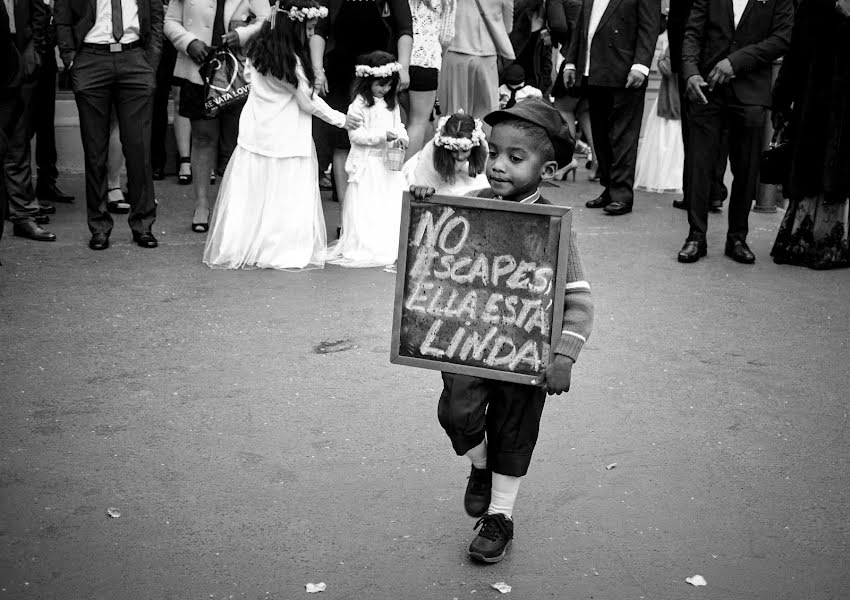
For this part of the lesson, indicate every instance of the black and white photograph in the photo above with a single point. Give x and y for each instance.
(424, 299)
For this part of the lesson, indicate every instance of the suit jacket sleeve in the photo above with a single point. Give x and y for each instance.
(676, 30)
(40, 14)
(770, 48)
(64, 30)
(571, 55)
(787, 81)
(649, 27)
(692, 42)
(154, 42)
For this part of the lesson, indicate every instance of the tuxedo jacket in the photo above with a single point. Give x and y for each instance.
(762, 36)
(31, 20)
(626, 36)
(677, 18)
(75, 18)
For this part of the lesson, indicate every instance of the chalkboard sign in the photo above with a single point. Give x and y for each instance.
(480, 286)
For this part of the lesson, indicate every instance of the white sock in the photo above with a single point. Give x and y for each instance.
(503, 495)
(478, 455)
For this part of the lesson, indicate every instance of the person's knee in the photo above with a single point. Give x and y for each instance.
(204, 134)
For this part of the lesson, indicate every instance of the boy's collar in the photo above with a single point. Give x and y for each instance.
(530, 199)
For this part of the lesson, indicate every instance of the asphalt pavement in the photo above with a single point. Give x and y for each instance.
(245, 463)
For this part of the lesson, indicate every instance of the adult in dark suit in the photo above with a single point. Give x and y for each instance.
(112, 49)
(29, 26)
(612, 54)
(677, 18)
(45, 135)
(727, 53)
(10, 81)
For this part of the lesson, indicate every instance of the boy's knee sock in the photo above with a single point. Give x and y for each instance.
(478, 455)
(503, 495)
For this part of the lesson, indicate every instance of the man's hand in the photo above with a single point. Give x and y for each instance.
(422, 193)
(231, 38)
(721, 73)
(694, 89)
(635, 79)
(198, 51)
(353, 121)
(569, 78)
(557, 376)
(31, 60)
(403, 79)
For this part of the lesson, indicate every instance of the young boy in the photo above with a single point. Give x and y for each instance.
(494, 423)
(514, 89)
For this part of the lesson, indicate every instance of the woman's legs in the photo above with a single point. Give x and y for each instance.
(204, 154)
(584, 123)
(419, 127)
(567, 106)
(182, 134)
(340, 175)
(114, 158)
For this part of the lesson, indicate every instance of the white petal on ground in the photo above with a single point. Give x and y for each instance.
(312, 588)
(501, 586)
(113, 512)
(696, 580)
(611, 466)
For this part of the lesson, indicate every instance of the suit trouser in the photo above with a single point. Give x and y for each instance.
(507, 413)
(718, 188)
(125, 81)
(615, 118)
(23, 205)
(45, 133)
(9, 107)
(706, 125)
(159, 126)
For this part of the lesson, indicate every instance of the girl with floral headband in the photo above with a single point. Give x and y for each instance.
(268, 213)
(371, 211)
(453, 162)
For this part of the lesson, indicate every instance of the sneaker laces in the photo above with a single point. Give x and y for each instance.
(493, 527)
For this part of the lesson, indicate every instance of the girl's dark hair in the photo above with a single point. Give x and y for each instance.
(363, 85)
(274, 50)
(459, 125)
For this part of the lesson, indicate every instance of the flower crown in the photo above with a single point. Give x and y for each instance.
(380, 72)
(458, 143)
(298, 13)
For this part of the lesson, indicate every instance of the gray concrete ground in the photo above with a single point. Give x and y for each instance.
(245, 465)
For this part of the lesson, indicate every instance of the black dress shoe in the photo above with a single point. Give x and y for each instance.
(618, 208)
(41, 219)
(601, 201)
(158, 174)
(51, 193)
(145, 240)
(46, 209)
(680, 204)
(738, 251)
(30, 230)
(99, 241)
(692, 251)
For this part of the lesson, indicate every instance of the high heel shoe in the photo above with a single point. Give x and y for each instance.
(201, 227)
(564, 172)
(184, 178)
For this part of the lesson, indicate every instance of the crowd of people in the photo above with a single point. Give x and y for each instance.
(427, 71)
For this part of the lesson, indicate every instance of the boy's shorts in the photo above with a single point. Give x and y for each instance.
(509, 413)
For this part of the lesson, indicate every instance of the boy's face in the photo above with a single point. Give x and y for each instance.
(515, 166)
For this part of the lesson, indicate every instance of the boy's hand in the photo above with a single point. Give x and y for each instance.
(557, 376)
(422, 193)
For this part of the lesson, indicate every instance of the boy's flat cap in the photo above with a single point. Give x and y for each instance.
(541, 114)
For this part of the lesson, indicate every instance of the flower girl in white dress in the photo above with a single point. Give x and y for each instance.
(268, 213)
(371, 212)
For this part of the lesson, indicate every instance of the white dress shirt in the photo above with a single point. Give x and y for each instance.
(10, 8)
(738, 7)
(596, 13)
(101, 31)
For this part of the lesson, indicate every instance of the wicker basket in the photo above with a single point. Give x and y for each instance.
(395, 158)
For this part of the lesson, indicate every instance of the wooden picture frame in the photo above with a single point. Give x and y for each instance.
(499, 214)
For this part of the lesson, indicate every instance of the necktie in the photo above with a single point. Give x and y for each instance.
(512, 100)
(117, 20)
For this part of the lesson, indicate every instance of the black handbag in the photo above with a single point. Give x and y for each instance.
(776, 160)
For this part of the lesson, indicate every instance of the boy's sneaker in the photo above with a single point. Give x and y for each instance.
(492, 541)
(476, 501)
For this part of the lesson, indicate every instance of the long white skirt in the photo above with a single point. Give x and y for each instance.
(371, 217)
(268, 215)
(661, 155)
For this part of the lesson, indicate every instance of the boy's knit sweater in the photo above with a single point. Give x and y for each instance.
(578, 303)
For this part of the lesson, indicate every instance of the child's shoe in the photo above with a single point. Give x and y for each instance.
(494, 538)
(476, 501)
